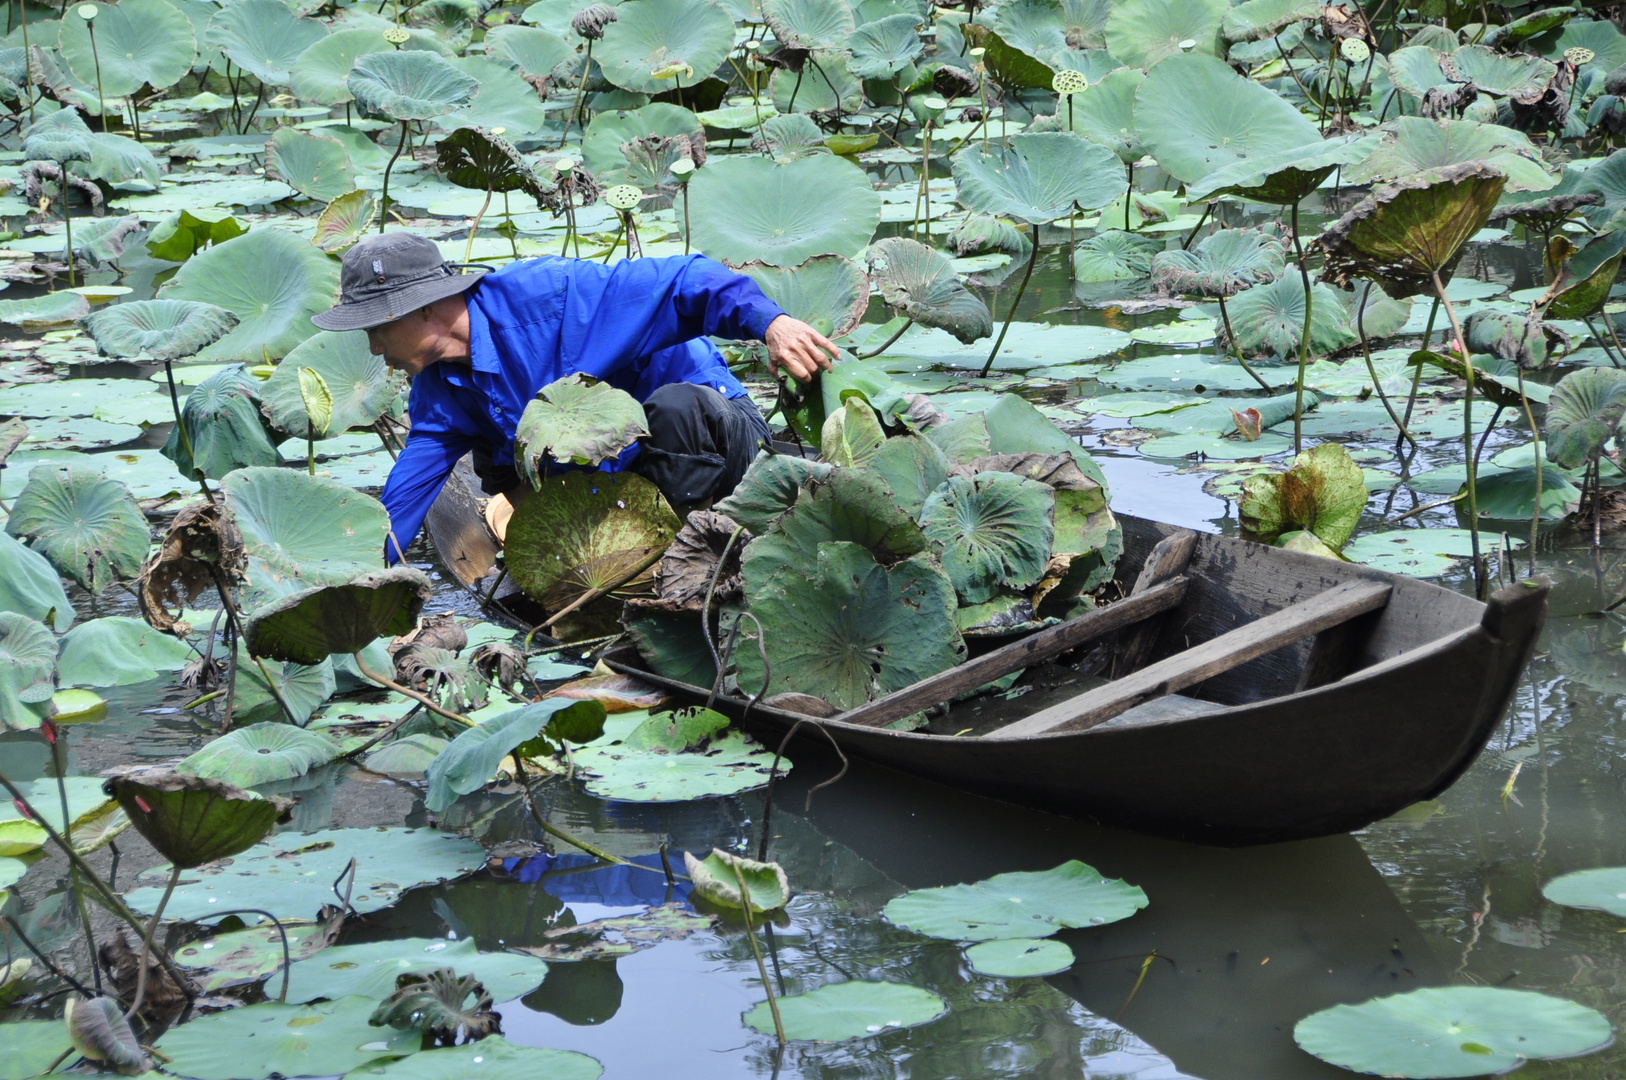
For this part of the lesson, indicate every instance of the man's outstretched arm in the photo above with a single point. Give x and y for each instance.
(414, 483)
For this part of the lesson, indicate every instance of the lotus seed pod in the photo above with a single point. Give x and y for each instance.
(564, 164)
(87, 12)
(1579, 54)
(1188, 44)
(1355, 50)
(935, 104)
(623, 197)
(682, 168)
(1066, 83)
(752, 46)
(978, 52)
(397, 35)
(590, 21)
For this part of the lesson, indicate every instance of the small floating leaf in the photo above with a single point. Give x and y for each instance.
(849, 1010)
(1017, 905)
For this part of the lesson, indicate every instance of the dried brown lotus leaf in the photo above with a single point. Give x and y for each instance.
(202, 540)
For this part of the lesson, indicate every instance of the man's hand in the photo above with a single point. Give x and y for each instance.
(798, 348)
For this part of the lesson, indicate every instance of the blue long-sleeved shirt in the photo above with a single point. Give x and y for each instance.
(637, 325)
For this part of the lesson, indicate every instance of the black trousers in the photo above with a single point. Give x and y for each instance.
(699, 445)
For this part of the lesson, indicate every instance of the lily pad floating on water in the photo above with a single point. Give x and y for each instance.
(1602, 889)
(370, 969)
(491, 1058)
(117, 650)
(259, 754)
(715, 879)
(1415, 552)
(1017, 905)
(837, 1012)
(644, 758)
(238, 957)
(1019, 958)
(1452, 1031)
(288, 1040)
(471, 761)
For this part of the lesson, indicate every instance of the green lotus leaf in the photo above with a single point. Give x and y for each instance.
(263, 38)
(239, 957)
(1584, 282)
(748, 208)
(766, 887)
(576, 420)
(307, 627)
(585, 531)
(1009, 66)
(59, 136)
(1410, 145)
(89, 527)
(1284, 177)
(919, 283)
(407, 85)
(648, 34)
(1018, 905)
(1590, 890)
(1222, 263)
(260, 754)
(301, 531)
(471, 761)
(271, 279)
(370, 969)
(809, 24)
(302, 688)
(846, 629)
(503, 99)
(157, 329)
(769, 488)
(793, 136)
(1323, 492)
(1255, 20)
(534, 51)
(493, 1058)
(319, 73)
(115, 160)
(851, 505)
(1105, 113)
(27, 671)
(672, 757)
(40, 312)
(285, 1040)
(316, 166)
(181, 234)
(610, 130)
(1036, 27)
(118, 651)
(94, 817)
(1142, 32)
(223, 421)
(669, 646)
(101, 241)
(991, 529)
(1114, 255)
(1584, 412)
(1196, 116)
(828, 292)
(1038, 177)
(1452, 1031)
(361, 385)
(190, 820)
(344, 221)
(851, 434)
(1022, 958)
(1269, 318)
(883, 47)
(1502, 74)
(828, 86)
(913, 467)
(837, 1012)
(406, 759)
(138, 43)
(1416, 70)
(1014, 426)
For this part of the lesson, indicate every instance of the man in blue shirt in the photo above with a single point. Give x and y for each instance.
(478, 347)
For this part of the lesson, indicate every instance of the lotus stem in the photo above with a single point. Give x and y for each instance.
(384, 197)
(468, 249)
(925, 183)
(146, 944)
(620, 226)
(1304, 340)
(581, 88)
(1289, 65)
(1236, 347)
(485, 601)
(1129, 191)
(685, 219)
(22, 14)
(282, 995)
(1535, 445)
(888, 343)
(762, 969)
(711, 590)
(236, 624)
(1599, 338)
(593, 594)
(1467, 435)
(181, 435)
(1192, 235)
(1371, 369)
(423, 699)
(310, 451)
(790, 107)
(101, 99)
(555, 831)
(1417, 376)
(1033, 257)
(67, 219)
(1609, 324)
(55, 734)
(51, 967)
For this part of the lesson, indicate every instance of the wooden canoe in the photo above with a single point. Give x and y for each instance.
(1261, 695)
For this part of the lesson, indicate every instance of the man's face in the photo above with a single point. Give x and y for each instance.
(407, 344)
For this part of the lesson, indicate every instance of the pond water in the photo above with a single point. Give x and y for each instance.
(1234, 947)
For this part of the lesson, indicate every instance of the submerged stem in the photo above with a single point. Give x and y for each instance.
(762, 969)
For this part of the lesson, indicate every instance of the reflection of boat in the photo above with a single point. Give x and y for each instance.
(1321, 696)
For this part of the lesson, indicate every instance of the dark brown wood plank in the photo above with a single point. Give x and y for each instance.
(1031, 650)
(1331, 608)
(1332, 654)
(1168, 559)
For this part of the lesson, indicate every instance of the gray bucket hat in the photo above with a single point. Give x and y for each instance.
(384, 277)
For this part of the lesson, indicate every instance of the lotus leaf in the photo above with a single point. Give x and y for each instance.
(259, 754)
(1009, 66)
(263, 38)
(674, 757)
(1583, 284)
(140, 43)
(919, 283)
(118, 651)
(648, 35)
(836, 1012)
(408, 85)
(1114, 255)
(316, 166)
(78, 706)
(439, 1005)
(319, 73)
(531, 49)
(370, 969)
(503, 99)
(1038, 177)
(885, 46)
(852, 505)
(1412, 144)
(1502, 74)
(475, 158)
(362, 388)
(1452, 1031)
(493, 1058)
(828, 292)
(913, 467)
(286, 1040)
(159, 329)
(344, 221)
(851, 434)
(88, 526)
(237, 957)
(1222, 263)
(181, 234)
(1015, 427)
(810, 24)
(1405, 233)
(746, 208)
(292, 875)
(307, 627)
(848, 630)
(576, 420)
(475, 755)
(1323, 492)
(769, 488)
(1022, 958)
(1142, 32)
(271, 279)
(42, 311)
(190, 820)
(1253, 20)
(610, 130)
(1017, 905)
(1282, 177)
(990, 530)
(406, 759)
(766, 887)
(32, 1047)
(302, 688)
(60, 136)
(99, 1031)
(1269, 318)
(1036, 27)
(27, 671)
(93, 818)
(1584, 413)
(224, 425)
(101, 242)
(1601, 889)
(1197, 116)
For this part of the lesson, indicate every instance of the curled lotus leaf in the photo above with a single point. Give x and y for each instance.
(261, 754)
(828, 292)
(883, 47)
(190, 820)
(315, 165)
(100, 1032)
(1409, 145)
(810, 24)
(766, 886)
(1222, 263)
(224, 426)
(263, 37)
(990, 530)
(1405, 233)
(851, 434)
(1283, 177)
(361, 387)
(913, 467)
(344, 221)
(1104, 112)
(1028, 904)
(1142, 33)
(1255, 20)
(576, 420)
(587, 532)
(686, 573)
(843, 628)
(769, 488)
(440, 1004)
(409, 84)
(1323, 493)
(1038, 177)
(745, 208)
(1525, 340)
(183, 233)
(655, 34)
(1008, 65)
(299, 531)
(202, 541)
(307, 627)
(157, 329)
(851, 505)
(272, 279)
(1584, 412)
(90, 527)
(919, 283)
(1583, 283)
(473, 157)
(27, 671)
(535, 730)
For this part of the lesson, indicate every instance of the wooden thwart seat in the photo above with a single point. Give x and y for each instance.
(1201, 662)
